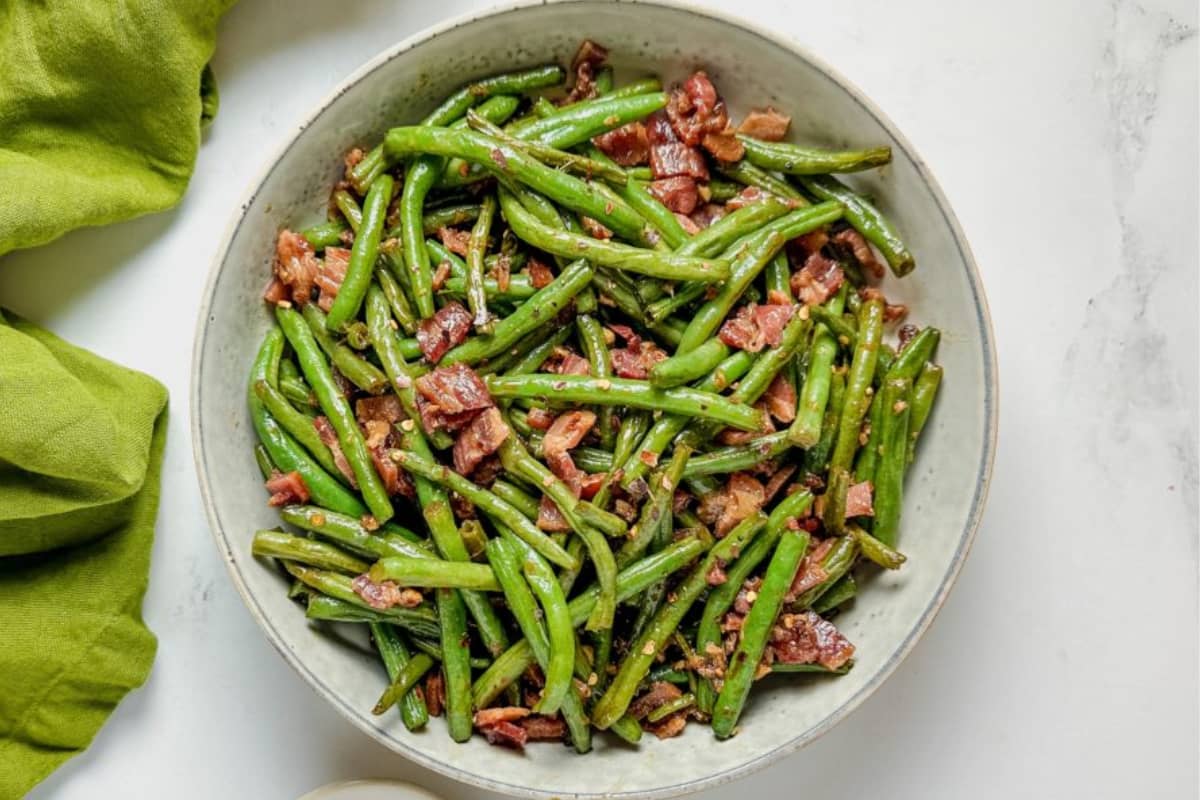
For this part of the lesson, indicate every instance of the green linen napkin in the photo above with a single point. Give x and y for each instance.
(99, 104)
(81, 443)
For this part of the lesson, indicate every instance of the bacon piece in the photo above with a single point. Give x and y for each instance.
(746, 596)
(810, 573)
(383, 596)
(747, 196)
(807, 638)
(539, 274)
(677, 159)
(386, 408)
(707, 214)
(446, 329)
(329, 438)
(724, 146)
(657, 694)
(491, 716)
(353, 156)
(892, 312)
(276, 292)
(777, 480)
(286, 488)
(905, 335)
(858, 500)
(754, 326)
(594, 229)
(766, 124)
(854, 242)
(540, 419)
(550, 518)
(435, 693)
(330, 276)
(716, 575)
(506, 734)
(813, 241)
(450, 397)
(817, 280)
(541, 728)
(295, 265)
(566, 432)
(454, 240)
(440, 273)
(502, 272)
(669, 727)
(627, 334)
(395, 480)
(678, 194)
(479, 440)
(742, 496)
(636, 362)
(689, 225)
(780, 399)
(732, 436)
(565, 361)
(691, 109)
(588, 58)
(627, 145)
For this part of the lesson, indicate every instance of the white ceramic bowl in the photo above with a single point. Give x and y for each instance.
(946, 488)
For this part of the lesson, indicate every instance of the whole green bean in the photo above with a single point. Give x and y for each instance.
(276, 544)
(357, 370)
(362, 255)
(583, 121)
(796, 160)
(690, 366)
(348, 531)
(519, 289)
(476, 249)
(816, 458)
(531, 359)
(448, 217)
(868, 457)
(434, 573)
(923, 393)
(421, 620)
(867, 220)
(421, 176)
(298, 425)
(838, 325)
(263, 459)
(633, 427)
(338, 410)
(571, 162)
(893, 453)
(858, 386)
(517, 497)
(559, 629)
(456, 663)
(397, 300)
(725, 232)
(814, 395)
(396, 660)
(640, 86)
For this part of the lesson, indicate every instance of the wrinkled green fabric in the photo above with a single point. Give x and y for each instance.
(100, 110)
(81, 443)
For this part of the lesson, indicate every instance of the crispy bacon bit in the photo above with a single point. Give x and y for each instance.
(724, 146)
(440, 273)
(540, 419)
(678, 194)
(778, 479)
(454, 240)
(627, 145)
(276, 292)
(353, 156)
(780, 399)
(385, 595)
(732, 436)
(891, 312)
(689, 225)
(810, 573)
(506, 734)
(450, 397)
(854, 242)
(716, 575)
(435, 693)
(386, 408)
(675, 159)
(539, 274)
(295, 266)
(446, 329)
(707, 214)
(754, 326)
(766, 124)
(747, 196)
(329, 438)
(565, 361)
(502, 272)
(742, 496)
(331, 274)
(586, 485)
(810, 639)
(594, 229)
(286, 488)
(376, 432)
(490, 716)
(550, 518)
(378, 442)
(817, 280)
(626, 333)
(747, 595)
(813, 241)
(541, 728)
(858, 500)
(670, 727)
(479, 440)
(660, 692)
(692, 108)
(636, 361)
(905, 335)
(589, 58)
(565, 433)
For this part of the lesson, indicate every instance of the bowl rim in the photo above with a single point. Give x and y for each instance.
(949, 578)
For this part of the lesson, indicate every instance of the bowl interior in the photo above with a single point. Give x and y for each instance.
(945, 490)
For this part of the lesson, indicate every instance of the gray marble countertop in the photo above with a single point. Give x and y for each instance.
(1065, 662)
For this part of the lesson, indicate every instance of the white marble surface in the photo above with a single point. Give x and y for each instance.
(1065, 663)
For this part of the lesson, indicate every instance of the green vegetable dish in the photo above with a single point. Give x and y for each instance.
(582, 402)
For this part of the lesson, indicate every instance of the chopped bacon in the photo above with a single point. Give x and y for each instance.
(892, 312)
(747, 196)
(295, 265)
(329, 438)
(688, 223)
(627, 145)
(440, 273)
(636, 362)
(446, 329)
(766, 124)
(807, 638)
(755, 326)
(628, 334)
(854, 242)
(777, 480)
(813, 241)
(385, 407)
(659, 693)
(674, 159)
(810, 573)
(747, 595)
(490, 716)
(540, 419)
(449, 397)
(742, 496)
(565, 361)
(550, 517)
(332, 273)
(353, 156)
(376, 432)
(669, 727)
(385, 595)
(479, 440)
(541, 728)
(588, 59)
(905, 335)
(502, 272)
(678, 194)
(566, 432)
(539, 274)
(276, 292)
(586, 485)
(435, 693)
(817, 280)
(594, 229)
(732, 436)
(692, 109)
(724, 146)
(454, 240)
(286, 488)
(716, 575)
(707, 214)
(395, 481)
(506, 734)
(858, 500)
(781, 399)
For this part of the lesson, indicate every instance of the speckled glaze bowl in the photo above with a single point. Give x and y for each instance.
(946, 488)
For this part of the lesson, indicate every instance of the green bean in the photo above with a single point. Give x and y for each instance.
(532, 359)
(438, 252)
(591, 338)
(397, 660)
(434, 573)
(810, 669)
(531, 315)
(421, 620)
(338, 410)
(611, 254)
(346, 204)
(298, 394)
(487, 502)
(640, 86)
(816, 458)
(842, 591)
(867, 459)
(874, 550)
(476, 249)
(867, 220)
(814, 395)
(397, 300)
(837, 324)
(287, 455)
(625, 392)
(421, 176)
(326, 234)
(583, 121)
(748, 174)
(559, 629)
(756, 630)
(526, 503)
(571, 162)
(276, 544)
(739, 457)
(298, 425)
(263, 459)
(362, 255)
(520, 288)
(923, 394)
(768, 365)
(354, 367)
(456, 663)
(644, 649)
(681, 703)
(633, 427)
(916, 353)
(729, 229)
(448, 217)
(796, 160)
(655, 516)
(857, 401)
(347, 531)
(690, 366)
(893, 449)
(404, 681)
(837, 562)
